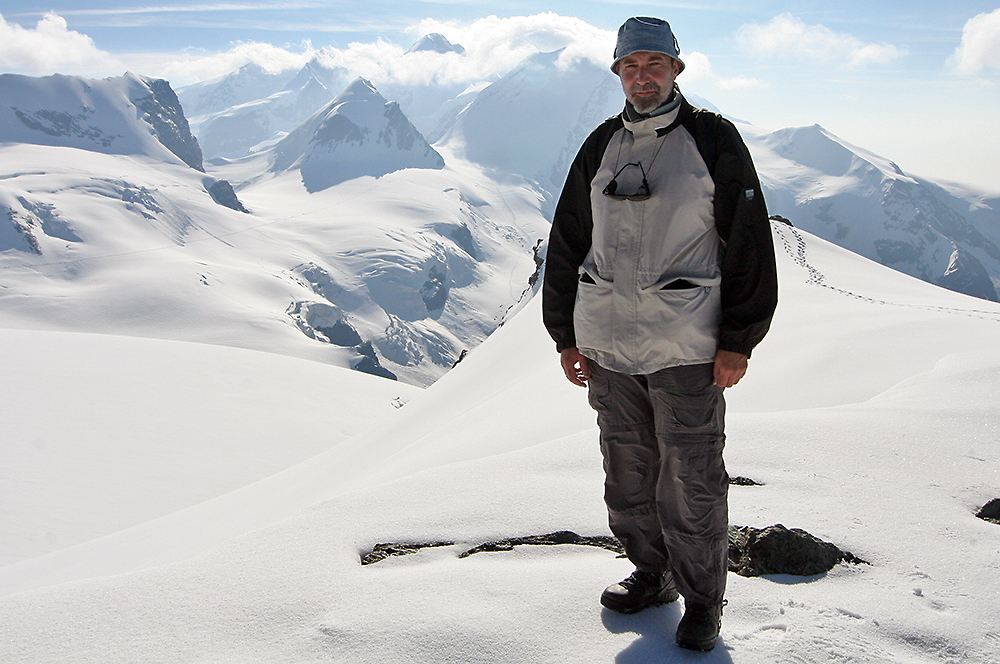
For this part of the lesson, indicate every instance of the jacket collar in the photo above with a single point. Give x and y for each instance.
(665, 116)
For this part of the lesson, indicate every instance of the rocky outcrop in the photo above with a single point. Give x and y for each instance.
(560, 537)
(223, 193)
(327, 323)
(965, 274)
(382, 551)
(778, 550)
(369, 363)
(752, 552)
(990, 511)
(163, 112)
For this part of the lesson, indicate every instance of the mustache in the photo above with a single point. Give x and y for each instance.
(647, 87)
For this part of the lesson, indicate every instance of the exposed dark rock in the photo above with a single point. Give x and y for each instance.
(778, 550)
(59, 124)
(463, 238)
(965, 274)
(325, 322)
(897, 251)
(560, 537)
(369, 362)
(382, 551)
(990, 511)
(434, 292)
(24, 238)
(539, 262)
(752, 552)
(778, 217)
(341, 333)
(163, 112)
(744, 481)
(223, 193)
(52, 224)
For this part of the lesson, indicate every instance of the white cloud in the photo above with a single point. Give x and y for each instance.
(493, 46)
(192, 67)
(497, 45)
(786, 35)
(51, 47)
(699, 68)
(980, 47)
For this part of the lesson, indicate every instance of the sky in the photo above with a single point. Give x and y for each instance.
(916, 82)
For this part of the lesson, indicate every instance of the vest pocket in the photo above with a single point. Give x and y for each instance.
(679, 323)
(593, 313)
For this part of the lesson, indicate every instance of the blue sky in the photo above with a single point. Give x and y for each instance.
(917, 82)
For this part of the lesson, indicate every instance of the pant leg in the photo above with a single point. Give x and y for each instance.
(693, 486)
(631, 464)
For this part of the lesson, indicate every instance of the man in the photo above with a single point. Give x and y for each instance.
(660, 280)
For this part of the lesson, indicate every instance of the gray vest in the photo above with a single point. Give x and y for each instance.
(649, 295)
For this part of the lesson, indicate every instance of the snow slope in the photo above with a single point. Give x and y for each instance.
(159, 426)
(869, 415)
(393, 265)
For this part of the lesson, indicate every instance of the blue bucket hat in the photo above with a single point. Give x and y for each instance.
(643, 33)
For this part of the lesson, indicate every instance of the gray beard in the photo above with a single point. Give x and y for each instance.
(648, 105)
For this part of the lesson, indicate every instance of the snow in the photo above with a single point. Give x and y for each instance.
(157, 257)
(869, 415)
(188, 472)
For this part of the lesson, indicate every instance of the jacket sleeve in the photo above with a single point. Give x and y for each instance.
(570, 238)
(749, 274)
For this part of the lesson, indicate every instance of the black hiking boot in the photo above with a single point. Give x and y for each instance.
(699, 628)
(639, 591)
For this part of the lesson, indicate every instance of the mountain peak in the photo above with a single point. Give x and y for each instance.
(435, 42)
(816, 147)
(359, 133)
(360, 89)
(127, 114)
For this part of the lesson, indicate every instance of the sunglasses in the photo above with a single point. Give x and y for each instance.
(640, 194)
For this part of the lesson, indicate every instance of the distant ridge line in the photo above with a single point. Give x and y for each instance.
(817, 278)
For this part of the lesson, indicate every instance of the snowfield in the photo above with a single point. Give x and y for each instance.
(200, 443)
(869, 416)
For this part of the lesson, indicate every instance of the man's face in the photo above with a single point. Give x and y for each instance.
(647, 79)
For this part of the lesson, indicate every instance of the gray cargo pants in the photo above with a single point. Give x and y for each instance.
(666, 485)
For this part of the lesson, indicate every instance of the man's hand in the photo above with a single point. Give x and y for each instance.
(729, 367)
(575, 366)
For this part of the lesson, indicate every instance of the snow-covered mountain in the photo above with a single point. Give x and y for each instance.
(251, 108)
(360, 248)
(436, 43)
(352, 239)
(357, 134)
(127, 115)
(943, 234)
(556, 101)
